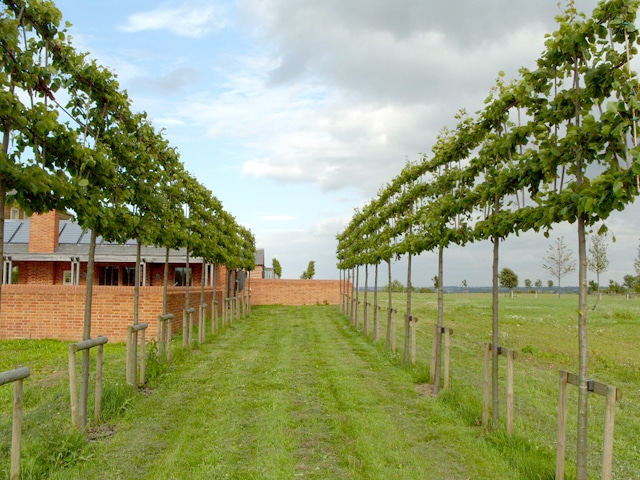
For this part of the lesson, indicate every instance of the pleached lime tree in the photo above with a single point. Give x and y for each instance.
(36, 146)
(562, 137)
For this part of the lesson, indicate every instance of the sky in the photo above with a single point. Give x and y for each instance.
(296, 112)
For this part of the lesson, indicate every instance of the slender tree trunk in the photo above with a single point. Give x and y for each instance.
(583, 347)
(203, 280)
(376, 319)
(349, 293)
(407, 323)
(165, 285)
(438, 364)
(357, 307)
(249, 291)
(188, 280)
(3, 201)
(495, 339)
(389, 315)
(86, 334)
(6, 138)
(366, 295)
(341, 289)
(214, 308)
(136, 291)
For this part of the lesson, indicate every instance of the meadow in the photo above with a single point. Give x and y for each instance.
(296, 392)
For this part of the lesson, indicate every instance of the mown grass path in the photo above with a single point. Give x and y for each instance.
(292, 393)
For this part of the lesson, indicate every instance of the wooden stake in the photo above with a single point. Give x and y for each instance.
(447, 355)
(486, 385)
(434, 352)
(98, 401)
(413, 321)
(16, 430)
(609, 418)
(73, 387)
(562, 426)
(510, 358)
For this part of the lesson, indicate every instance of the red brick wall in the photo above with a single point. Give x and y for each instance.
(37, 273)
(57, 311)
(294, 292)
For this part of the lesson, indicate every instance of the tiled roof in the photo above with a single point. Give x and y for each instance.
(73, 241)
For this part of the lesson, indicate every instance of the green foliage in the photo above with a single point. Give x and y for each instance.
(598, 261)
(277, 268)
(93, 155)
(615, 288)
(309, 273)
(116, 400)
(396, 286)
(156, 366)
(508, 278)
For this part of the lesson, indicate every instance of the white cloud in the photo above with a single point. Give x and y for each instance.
(317, 104)
(194, 19)
(275, 218)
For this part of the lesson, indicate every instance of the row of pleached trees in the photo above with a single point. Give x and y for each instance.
(556, 144)
(72, 142)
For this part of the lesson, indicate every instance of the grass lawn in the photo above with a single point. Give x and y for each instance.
(296, 392)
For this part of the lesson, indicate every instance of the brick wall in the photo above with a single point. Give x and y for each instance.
(294, 292)
(57, 311)
(43, 232)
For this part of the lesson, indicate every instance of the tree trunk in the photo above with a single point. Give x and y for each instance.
(3, 201)
(389, 316)
(407, 323)
(6, 138)
(165, 284)
(349, 292)
(495, 334)
(86, 334)
(188, 280)
(136, 288)
(376, 319)
(214, 308)
(366, 294)
(203, 280)
(438, 354)
(357, 288)
(583, 348)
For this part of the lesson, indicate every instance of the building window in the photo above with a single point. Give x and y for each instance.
(129, 276)
(108, 276)
(15, 213)
(9, 271)
(66, 278)
(180, 277)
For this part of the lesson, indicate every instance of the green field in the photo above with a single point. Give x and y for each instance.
(295, 392)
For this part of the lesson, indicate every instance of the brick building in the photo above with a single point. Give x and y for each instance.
(51, 249)
(44, 282)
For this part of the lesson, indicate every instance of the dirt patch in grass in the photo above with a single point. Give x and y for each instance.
(425, 390)
(100, 432)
